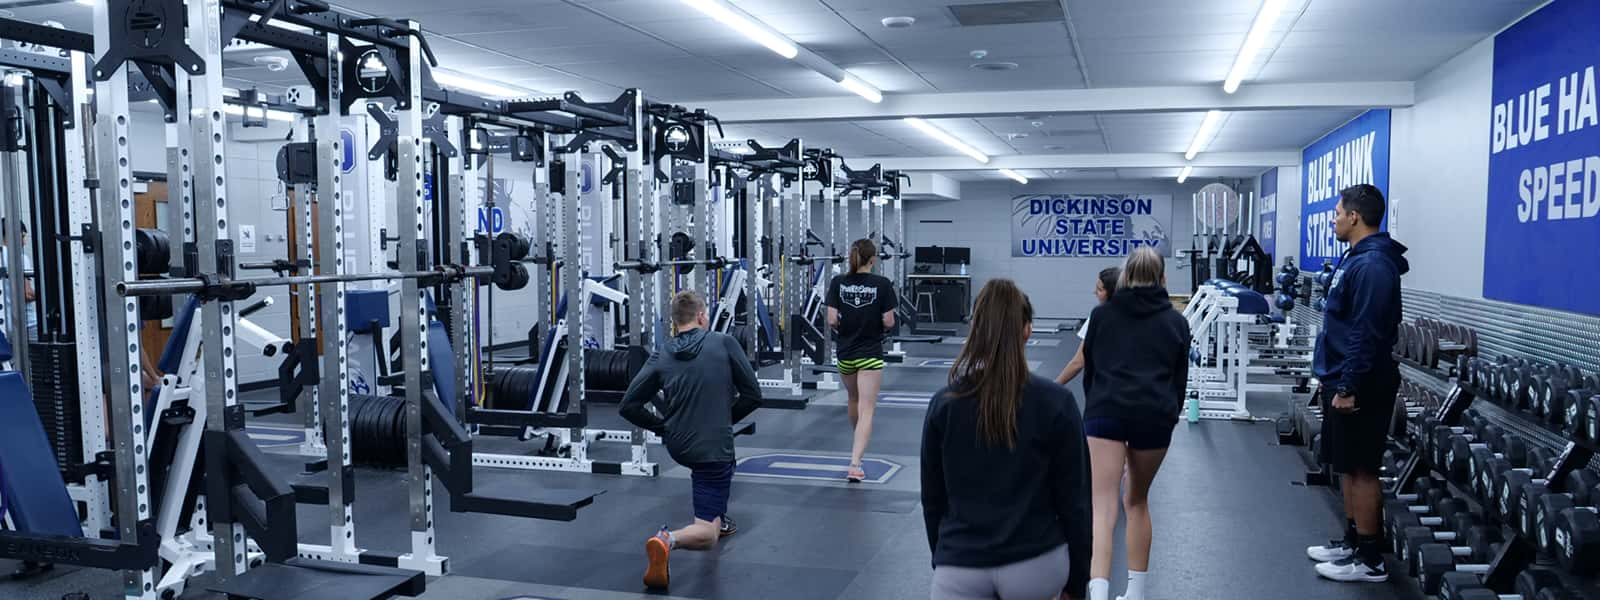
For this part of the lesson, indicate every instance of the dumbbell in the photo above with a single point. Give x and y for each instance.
(1423, 508)
(1512, 448)
(1576, 538)
(1438, 440)
(1535, 583)
(1454, 526)
(1559, 397)
(1587, 426)
(1583, 489)
(1399, 516)
(1435, 560)
(1466, 452)
(1509, 485)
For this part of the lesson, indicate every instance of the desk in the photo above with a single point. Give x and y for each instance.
(949, 306)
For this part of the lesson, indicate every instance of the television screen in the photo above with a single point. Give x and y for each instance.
(930, 255)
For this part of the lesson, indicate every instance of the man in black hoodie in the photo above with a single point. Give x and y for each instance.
(1358, 373)
(709, 385)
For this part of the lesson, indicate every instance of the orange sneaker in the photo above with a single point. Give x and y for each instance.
(855, 474)
(657, 548)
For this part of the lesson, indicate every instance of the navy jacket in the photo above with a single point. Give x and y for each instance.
(1362, 318)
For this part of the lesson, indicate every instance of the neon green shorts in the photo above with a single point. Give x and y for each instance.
(855, 365)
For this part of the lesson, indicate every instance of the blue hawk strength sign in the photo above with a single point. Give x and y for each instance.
(1090, 225)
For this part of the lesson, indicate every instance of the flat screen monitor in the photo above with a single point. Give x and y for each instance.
(932, 255)
(958, 256)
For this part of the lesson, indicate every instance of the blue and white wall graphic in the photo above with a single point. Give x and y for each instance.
(1089, 225)
(1267, 220)
(1543, 235)
(1355, 153)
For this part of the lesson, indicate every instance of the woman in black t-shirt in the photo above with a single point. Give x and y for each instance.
(861, 311)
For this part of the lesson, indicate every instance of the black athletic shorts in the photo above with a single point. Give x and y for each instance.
(1354, 442)
(712, 483)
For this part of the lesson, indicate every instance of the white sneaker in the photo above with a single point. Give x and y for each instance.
(1353, 569)
(1330, 552)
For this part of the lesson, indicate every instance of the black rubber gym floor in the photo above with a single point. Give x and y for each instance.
(1230, 520)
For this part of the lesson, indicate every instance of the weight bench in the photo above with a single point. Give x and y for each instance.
(917, 339)
(34, 496)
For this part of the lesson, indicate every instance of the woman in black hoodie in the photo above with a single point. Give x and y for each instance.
(1136, 368)
(1005, 474)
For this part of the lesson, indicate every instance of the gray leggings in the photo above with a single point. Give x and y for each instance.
(1037, 578)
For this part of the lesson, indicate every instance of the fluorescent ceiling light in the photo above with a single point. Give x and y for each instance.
(861, 88)
(275, 115)
(747, 25)
(473, 84)
(1252, 43)
(88, 2)
(1184, 175)
(1015, 176)
(1202, 138)
(949, 140)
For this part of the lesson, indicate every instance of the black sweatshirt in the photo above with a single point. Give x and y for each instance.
(710, 386)
(990, 506)
(1136, 357)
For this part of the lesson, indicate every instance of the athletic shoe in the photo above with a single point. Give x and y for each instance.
(728, 527)
(1353, 569)
(855, 474)
(1330, 552)
(657, 548)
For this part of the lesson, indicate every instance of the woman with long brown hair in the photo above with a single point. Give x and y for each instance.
(861, 311)
(1005, 472)
(1135, 372)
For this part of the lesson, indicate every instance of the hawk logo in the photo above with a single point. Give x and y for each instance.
(857, 296)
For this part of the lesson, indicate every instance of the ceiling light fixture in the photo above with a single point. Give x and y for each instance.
(898, 22)
(1015, 176)
(1184, 175)
(1202, 138)
(861, 88)
(473, 84)
(751, 28)
(1252, 43)
(949, 140)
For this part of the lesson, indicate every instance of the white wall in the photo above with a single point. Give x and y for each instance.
(1439, 176)
(1059, 287)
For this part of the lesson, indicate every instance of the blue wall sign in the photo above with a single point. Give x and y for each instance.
(427, 187)
(492, 221)
(814, 467)
(1544, 161)
(585, 178)
(347, 141)
(1355, 153)
(1267, 227)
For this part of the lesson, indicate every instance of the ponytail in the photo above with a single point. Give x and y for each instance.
(862, 252)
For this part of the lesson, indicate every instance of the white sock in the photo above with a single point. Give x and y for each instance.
(1135, 585)
(1099, 589)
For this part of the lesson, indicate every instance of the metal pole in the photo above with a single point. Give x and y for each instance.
(13, 302)
(334, 389)
(216, 255)
(413, 317)
(85, 279)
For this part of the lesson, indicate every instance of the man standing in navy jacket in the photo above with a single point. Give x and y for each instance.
(1358, 373)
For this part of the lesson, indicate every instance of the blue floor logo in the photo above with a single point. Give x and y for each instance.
(814, 467)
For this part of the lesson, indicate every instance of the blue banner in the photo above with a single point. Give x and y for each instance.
(1355, 153)
(1543, 233)
(1267, 226)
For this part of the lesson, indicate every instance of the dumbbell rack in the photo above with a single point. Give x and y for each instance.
(1516, 553)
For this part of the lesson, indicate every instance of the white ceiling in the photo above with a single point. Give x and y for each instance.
(674, 53)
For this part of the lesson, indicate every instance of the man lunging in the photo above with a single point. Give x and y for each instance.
(709, 386)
